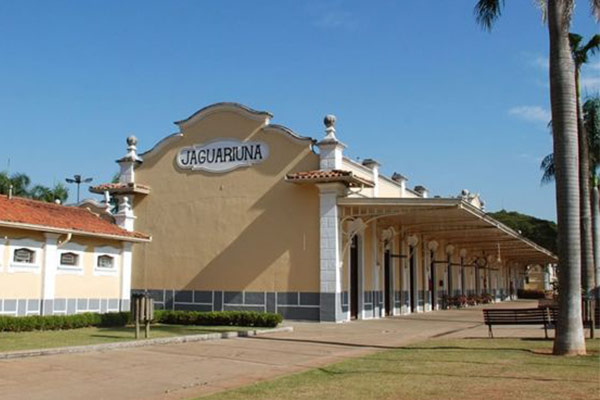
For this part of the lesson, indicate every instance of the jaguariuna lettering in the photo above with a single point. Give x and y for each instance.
(222, 156)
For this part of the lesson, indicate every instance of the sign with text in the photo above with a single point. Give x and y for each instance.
(222, 155)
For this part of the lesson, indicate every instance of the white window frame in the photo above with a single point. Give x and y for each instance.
(111, 252)
(31, 245)
(76, 249)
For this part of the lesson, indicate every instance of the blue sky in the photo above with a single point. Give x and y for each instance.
(415, 85)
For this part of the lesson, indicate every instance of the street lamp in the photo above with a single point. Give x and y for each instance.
(77, 179)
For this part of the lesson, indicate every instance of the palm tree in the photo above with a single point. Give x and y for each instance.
(18, 181)
(580, 56)
(569, 335)
(591, 122)
(44, 193)
(589, 157)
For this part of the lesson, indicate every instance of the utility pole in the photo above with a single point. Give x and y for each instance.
(77, 179)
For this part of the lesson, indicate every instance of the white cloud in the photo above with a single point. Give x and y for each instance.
(334, 19)
(540, 62)
(531, 114)
(331, 15)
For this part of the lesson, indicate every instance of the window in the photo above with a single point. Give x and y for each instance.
(105, 262)
(70, 259)
(24, 256)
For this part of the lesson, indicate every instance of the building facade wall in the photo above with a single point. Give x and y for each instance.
(244, 239)
(26, 289)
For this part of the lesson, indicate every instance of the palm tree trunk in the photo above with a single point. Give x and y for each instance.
(569, 338)
(596, 235)
(587, 255)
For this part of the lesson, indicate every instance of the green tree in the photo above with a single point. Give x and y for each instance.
(580, 56)
(19, 182)
(569, 335)
(589, 158)
(591, 121)
(50, 195)
(540, 231)
(20, 188)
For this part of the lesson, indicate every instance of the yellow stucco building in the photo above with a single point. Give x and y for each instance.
(246, 214)
(56, 259)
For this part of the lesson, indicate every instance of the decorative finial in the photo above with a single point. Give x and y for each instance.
(329, 120)
(132, 141)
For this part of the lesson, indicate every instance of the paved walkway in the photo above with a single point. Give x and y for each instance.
(183, 371)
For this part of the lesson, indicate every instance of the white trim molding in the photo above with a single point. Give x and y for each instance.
(110, 252)
(126, 261)
(31, 245)
(49, 275)
(78, 250)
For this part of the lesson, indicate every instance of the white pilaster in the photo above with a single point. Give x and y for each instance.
(129, 161)
(401, 180)
(374, 166)
(330, 252)
(331, 150)
(124, 217)
(393, 274)
(49, 272)
(126, 260)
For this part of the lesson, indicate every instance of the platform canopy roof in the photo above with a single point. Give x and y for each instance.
(452, 220)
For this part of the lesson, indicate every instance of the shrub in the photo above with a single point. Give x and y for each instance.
(458, 301)
(486, 298)
(114, 319)
(530, 294)
(218, 318)
(56, 322)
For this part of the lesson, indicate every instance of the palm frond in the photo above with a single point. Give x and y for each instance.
(574, 40)
(543, 6)
(593, 45)
(487, 12)
(595, 6)
(40, 192)
(591, 120)
(20, 184)
(547, 167)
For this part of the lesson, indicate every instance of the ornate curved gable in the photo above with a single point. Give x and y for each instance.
(263, 119)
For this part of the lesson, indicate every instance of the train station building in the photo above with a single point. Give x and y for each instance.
(245, 214)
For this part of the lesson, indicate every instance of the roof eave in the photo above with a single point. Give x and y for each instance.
(49, 229)
(135, 189)
(350, 180)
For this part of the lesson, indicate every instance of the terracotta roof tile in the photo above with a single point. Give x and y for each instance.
(335, 175)
(50, 215)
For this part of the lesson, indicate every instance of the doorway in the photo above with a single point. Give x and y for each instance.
(387, 283)
(354, 278)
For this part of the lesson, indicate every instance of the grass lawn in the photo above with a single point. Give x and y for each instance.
(466, 369)
(10, 341)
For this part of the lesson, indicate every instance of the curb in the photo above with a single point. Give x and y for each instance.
(140, 343)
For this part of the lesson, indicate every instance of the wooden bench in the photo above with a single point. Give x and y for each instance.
(519, 316)
(587, 322)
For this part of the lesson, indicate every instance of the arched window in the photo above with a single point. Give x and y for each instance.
(105, 262)
(24, 256)
(70, 259)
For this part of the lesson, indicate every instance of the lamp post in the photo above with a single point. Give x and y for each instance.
(77, 179)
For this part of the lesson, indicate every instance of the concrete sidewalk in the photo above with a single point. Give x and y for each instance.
(183, 371)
